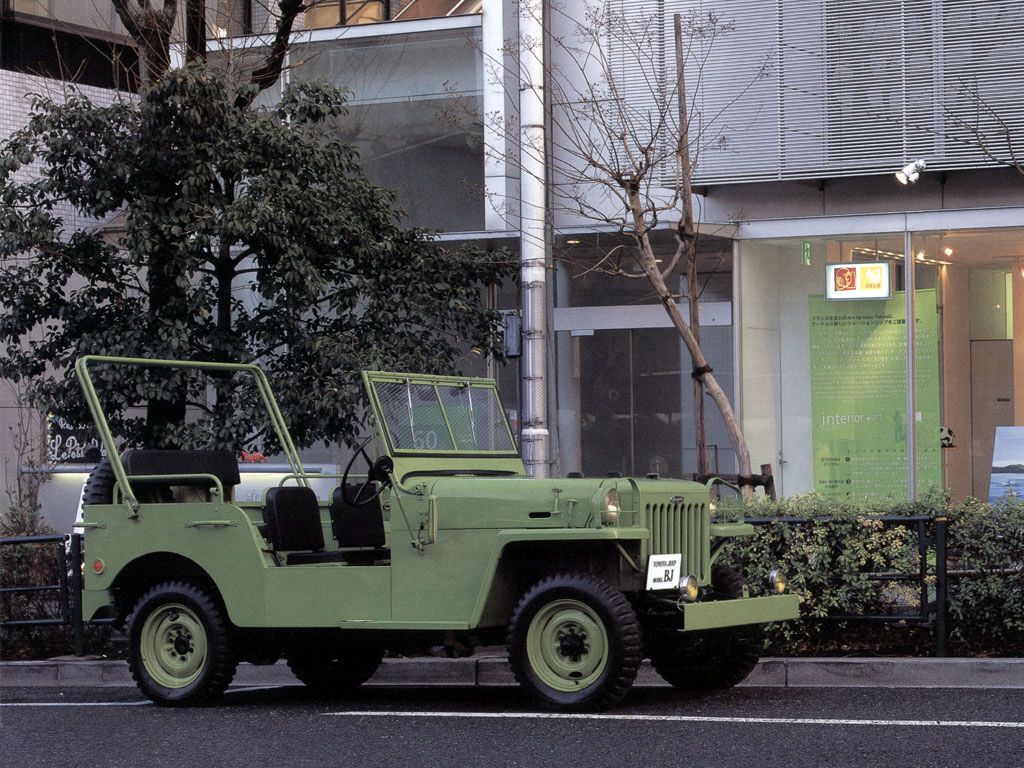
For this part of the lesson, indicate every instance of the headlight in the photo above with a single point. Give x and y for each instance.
(610, 510)
(689, 589)
(777, 581)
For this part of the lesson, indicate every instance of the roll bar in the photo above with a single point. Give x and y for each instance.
(107, 437)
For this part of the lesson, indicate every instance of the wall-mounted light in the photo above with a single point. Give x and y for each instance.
(948, 251)
(910, 172)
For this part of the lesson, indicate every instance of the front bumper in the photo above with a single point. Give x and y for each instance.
(732, 613)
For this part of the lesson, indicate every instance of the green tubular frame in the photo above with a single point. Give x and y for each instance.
(106, 436)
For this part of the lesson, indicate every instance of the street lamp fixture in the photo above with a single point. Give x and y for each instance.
(910, 172)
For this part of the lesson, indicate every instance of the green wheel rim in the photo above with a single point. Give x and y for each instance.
(567, 645)
(173, 646)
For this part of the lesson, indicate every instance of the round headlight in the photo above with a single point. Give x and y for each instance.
(610, 508)
(777, 581)
(689, 589)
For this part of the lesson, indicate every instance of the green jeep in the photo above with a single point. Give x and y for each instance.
(445, 538)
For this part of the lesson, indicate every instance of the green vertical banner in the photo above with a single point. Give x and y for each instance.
(859, 396)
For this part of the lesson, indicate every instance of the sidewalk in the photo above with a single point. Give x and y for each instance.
(492, 670)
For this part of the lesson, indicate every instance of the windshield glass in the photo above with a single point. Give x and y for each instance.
(443, 417)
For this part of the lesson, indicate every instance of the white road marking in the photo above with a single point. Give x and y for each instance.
(689, 719)
(4, 704)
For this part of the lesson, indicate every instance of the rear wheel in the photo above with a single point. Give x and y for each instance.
(712, 659)
(179, 648)
(574, 642)
(336, 668)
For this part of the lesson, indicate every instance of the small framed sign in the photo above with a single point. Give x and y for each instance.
(664, 571)
(850, 281)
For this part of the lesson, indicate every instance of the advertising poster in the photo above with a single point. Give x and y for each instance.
(1007, 477)
(859, 396)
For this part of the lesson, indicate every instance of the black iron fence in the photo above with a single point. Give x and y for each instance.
(65, 607)
(930, 579)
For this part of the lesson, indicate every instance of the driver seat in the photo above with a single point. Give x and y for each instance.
(359, 529)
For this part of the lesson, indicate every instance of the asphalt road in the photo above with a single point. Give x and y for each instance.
(411, 727)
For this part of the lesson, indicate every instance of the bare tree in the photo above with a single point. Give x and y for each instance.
(623, 148)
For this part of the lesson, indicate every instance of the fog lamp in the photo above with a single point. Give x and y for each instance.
(777, 581)
(689, 589)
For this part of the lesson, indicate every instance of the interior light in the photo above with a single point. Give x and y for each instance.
(910, 172)
(572, 242)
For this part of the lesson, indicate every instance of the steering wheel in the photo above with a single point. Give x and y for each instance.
(377, 476)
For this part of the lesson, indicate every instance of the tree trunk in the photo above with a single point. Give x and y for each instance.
(706, 377)
(151, 30)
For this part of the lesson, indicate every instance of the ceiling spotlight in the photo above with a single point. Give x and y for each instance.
(910, 172)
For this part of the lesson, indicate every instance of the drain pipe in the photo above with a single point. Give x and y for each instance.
(536, 438)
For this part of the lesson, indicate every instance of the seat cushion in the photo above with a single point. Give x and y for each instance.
(292, 517)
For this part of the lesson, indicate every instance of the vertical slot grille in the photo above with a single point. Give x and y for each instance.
(682, 528)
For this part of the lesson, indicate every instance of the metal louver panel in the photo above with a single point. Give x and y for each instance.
(828, 88)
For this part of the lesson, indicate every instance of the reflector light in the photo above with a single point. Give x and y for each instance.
(98, 566)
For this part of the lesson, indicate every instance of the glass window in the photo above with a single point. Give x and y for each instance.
(474, 416)
(350, 12)
(410, 118)
(413, 416)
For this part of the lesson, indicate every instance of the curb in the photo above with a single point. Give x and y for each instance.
(493, 671)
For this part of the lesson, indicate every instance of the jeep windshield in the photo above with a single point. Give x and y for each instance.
(440, 415)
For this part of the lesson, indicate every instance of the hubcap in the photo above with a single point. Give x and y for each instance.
(567, 645)
(172, 645)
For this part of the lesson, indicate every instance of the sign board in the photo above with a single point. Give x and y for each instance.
(849, 281)
(805, 251)
(859, 396)
(663, 571)
(68, 443)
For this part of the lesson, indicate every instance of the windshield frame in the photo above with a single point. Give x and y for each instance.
(372, 378)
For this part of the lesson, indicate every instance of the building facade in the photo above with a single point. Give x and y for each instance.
(799, 113)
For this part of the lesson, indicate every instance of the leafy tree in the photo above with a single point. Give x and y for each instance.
(248, 235)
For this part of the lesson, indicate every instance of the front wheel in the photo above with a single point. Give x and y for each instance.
(179, 648)
(574, 642)
(711, 659)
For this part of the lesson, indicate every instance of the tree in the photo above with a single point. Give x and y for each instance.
(254, 233)
(623, 148)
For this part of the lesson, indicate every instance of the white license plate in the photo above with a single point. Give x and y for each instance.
(664, 571)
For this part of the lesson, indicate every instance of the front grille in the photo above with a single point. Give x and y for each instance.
(682, 528)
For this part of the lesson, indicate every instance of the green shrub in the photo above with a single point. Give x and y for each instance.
(986, 558)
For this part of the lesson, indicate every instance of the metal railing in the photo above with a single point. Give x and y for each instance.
(67, 591)
(931, 536)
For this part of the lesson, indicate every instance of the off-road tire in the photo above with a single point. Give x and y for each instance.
(179, 645)
(335, 669)
(713, 659)
(574, 643)
(99, 486)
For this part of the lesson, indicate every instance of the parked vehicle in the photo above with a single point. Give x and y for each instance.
(582, 577)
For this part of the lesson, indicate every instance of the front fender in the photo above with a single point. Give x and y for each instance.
(541, 536)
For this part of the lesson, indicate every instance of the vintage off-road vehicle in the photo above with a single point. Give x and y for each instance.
(582, 577)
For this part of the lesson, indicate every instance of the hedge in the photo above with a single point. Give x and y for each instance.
(829, 559)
